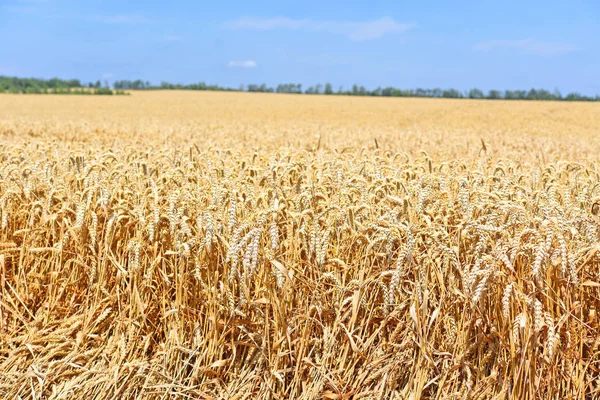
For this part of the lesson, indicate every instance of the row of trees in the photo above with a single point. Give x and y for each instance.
(54, 86)
(355, 90)
(74, 86)
(146, 85)
(532, 94)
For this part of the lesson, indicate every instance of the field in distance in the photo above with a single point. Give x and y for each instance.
(252, 121)
(239, 245)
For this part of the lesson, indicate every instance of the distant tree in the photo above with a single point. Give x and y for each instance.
(73, 83)
(387, 92)
(494, 94)
(138, 84)
(476, 94)
(289, 88)
(451, 94)
(557, 94)
(74, 86)
(521, 94)
(544, 95)
(532, 94)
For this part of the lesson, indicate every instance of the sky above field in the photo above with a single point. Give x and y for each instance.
(447, 44)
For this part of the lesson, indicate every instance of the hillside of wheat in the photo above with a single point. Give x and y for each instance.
(178, 245)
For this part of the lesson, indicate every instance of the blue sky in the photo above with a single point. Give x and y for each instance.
(461, 44)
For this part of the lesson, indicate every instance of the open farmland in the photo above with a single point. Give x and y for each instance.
(237, 245)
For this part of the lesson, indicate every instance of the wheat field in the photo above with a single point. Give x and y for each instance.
(178, 245)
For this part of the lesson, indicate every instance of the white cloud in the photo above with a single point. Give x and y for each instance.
(242, 64)
(107, 75)
(355, 30)
(528, 46)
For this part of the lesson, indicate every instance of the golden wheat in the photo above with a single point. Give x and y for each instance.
(217, 245)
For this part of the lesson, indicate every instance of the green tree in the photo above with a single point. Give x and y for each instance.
(557, 95)
(451, 94)
(494, 94)
(532, 94)
(476, 94)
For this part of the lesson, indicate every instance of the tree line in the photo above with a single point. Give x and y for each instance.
(355, 90)
(54, 86)
(74, 86)
(146, 85)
